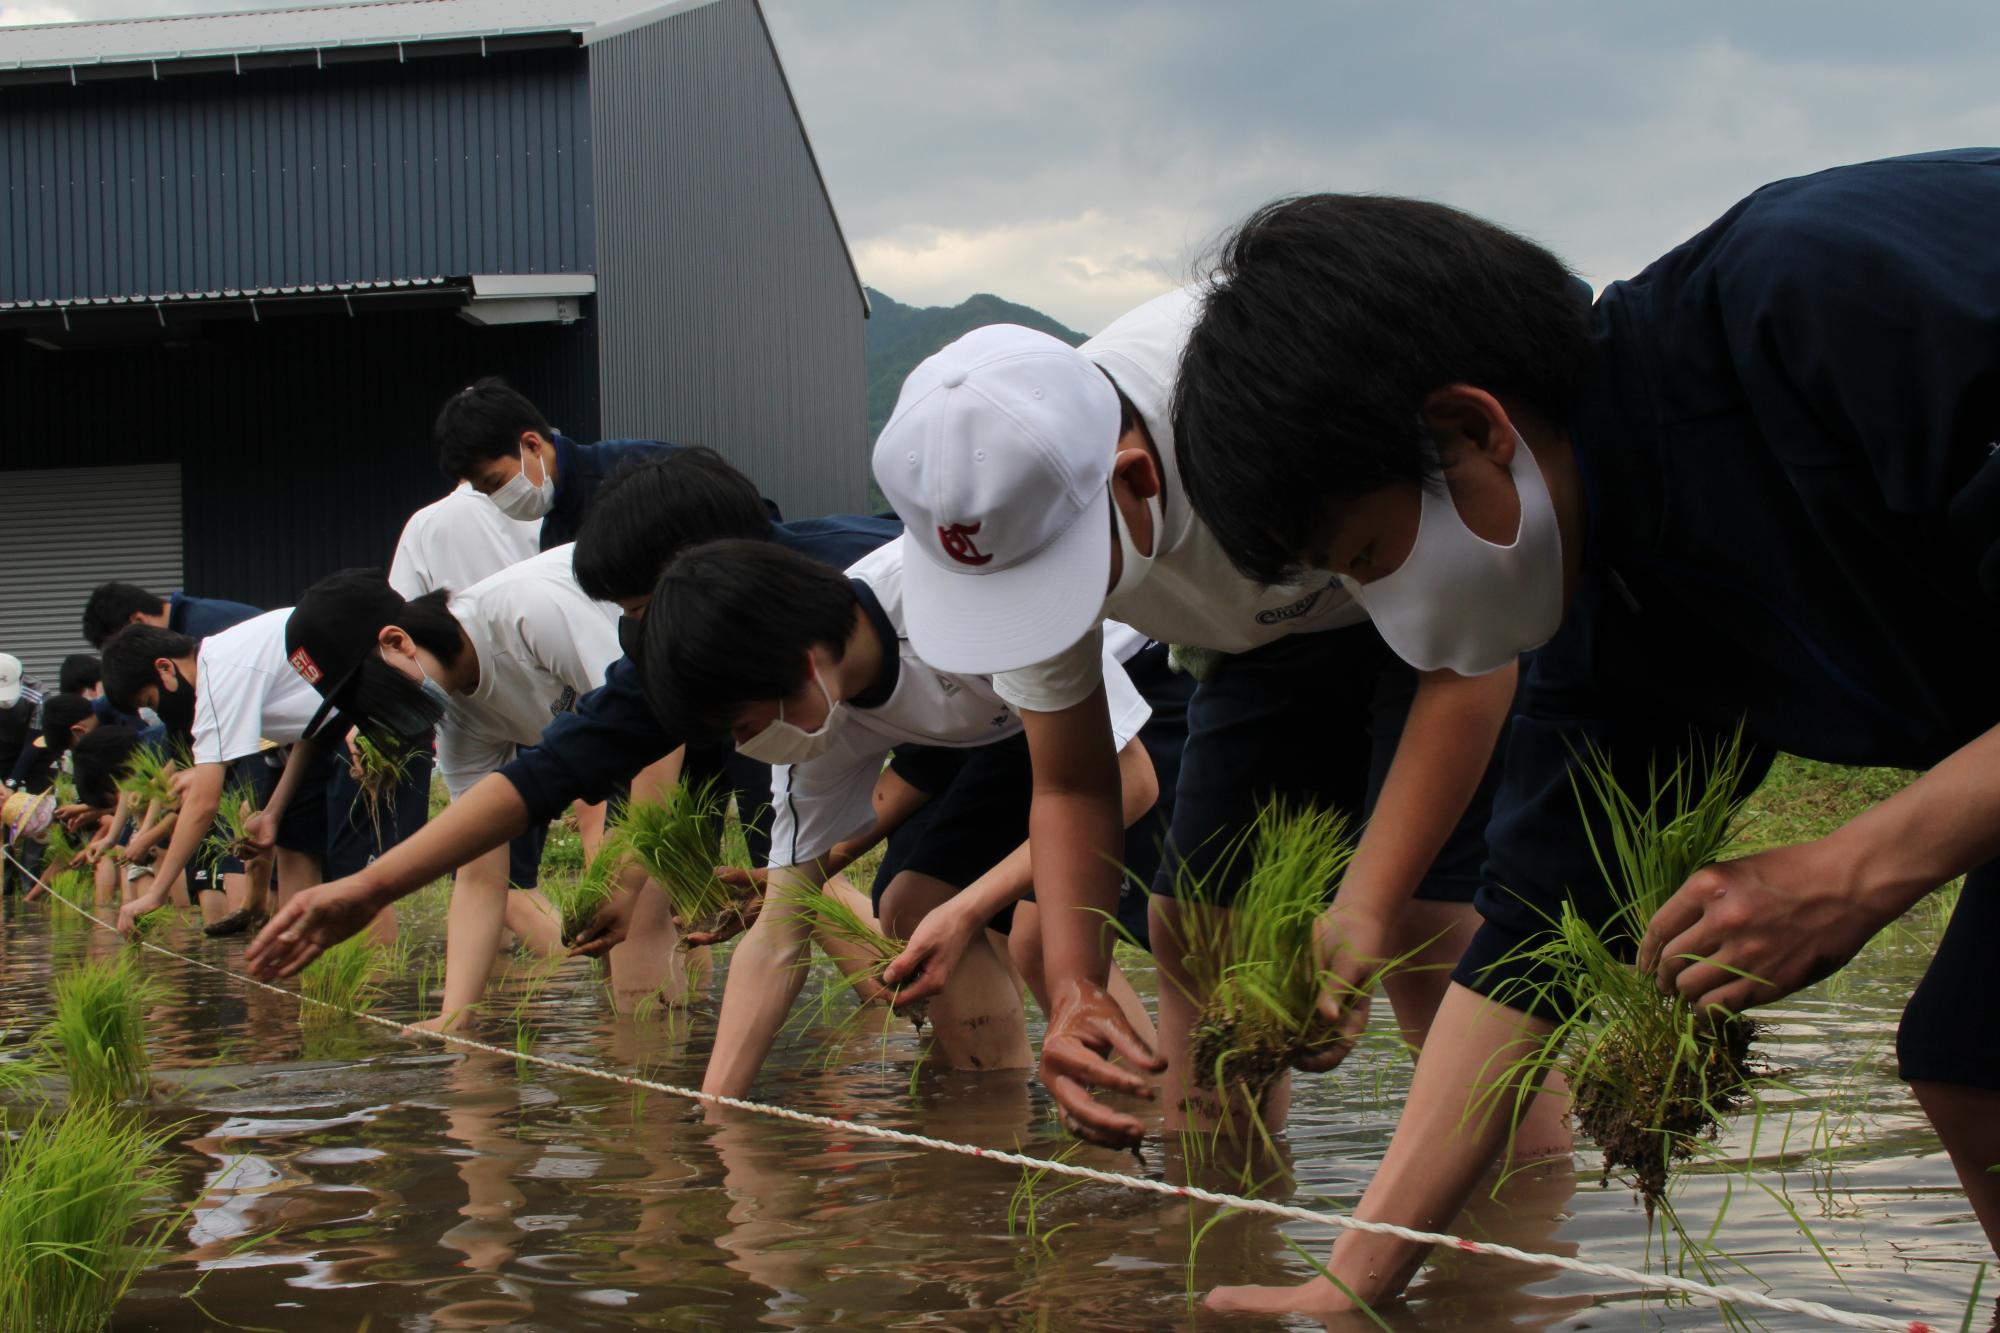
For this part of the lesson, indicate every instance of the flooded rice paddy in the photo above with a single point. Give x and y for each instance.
(349, 1179)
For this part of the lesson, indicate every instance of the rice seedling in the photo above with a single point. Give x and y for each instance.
(1259, 977)
(1025, 1205)
(836, 923)
(678, 838)
(342, 980)
(1649, 1076)
(578, 898)
(149, 924)
(149, 774)
(73, 1188)
(229, 835)
(97, 1035)
(380, 766)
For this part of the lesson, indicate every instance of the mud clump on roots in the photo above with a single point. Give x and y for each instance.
(1646, 1107)
(1233, 1052)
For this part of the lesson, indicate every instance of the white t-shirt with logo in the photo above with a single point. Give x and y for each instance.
(1192, 595)
(541, 643)
(830, 797)
(245, 691)
(457, 541)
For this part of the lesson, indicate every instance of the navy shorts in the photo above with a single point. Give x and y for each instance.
(524, 857)
(1310, 719)
(328, 820)
(257, 774)
(981, 813)
(1947, 1031)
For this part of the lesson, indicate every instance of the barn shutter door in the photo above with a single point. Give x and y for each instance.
(63, 531)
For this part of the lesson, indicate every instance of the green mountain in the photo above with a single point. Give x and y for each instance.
(897, 336)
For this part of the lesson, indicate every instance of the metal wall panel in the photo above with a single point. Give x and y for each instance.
(727, 307)
(303, 444)
(133, 518)
(436, 168)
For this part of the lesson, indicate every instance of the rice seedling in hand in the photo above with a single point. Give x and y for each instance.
(229, 833)
(380, 766)
(1650, 1077)
(73, 1188)
(149, 775)
(578, 898)
(97, 1035)
(838, 927)
(678, 838)
(342, 980)
(1259, 978)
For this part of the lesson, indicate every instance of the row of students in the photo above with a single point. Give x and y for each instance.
(1386, 450)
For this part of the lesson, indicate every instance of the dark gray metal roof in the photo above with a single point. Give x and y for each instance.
(374, 24)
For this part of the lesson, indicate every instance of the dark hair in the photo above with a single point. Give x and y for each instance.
(731, 623)
(79, 672)
(431, 625)
(98, 759)
(60, 712)
(484, 420)
(129, 656)
(1327, 320)
(112, 606)
(655, 508)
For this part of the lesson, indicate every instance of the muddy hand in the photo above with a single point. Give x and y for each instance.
(925, 965)
(608, 929)
(1350, 948)
(738, 919)
(1086, 1029)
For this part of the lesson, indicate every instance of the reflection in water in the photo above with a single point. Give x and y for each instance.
(404, 1188)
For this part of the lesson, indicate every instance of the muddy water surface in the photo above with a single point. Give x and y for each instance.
(348, 1179)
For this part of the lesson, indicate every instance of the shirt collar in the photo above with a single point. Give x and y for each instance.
(878, 690)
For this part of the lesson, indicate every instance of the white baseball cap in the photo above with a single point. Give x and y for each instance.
(10, 680)
(998, 458)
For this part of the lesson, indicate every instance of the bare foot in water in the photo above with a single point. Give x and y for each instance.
(1316, 1297)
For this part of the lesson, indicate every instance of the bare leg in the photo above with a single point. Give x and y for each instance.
(534, 922)
(296, 871)
(1438, 933)
(472, 937)
(977, 1020)
(1024, 950)
(1458, 1115)
(1968, 1121)
(648, 961)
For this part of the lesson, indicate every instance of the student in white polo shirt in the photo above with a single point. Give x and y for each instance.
(499, 661)
(457, 541)
(1038, 485)
(233, 691)
(810, 669)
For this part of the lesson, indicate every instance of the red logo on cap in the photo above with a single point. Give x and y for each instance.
(957, 543)
(302, 663)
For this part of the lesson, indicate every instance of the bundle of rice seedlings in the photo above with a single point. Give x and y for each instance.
(1650, 1077)
(380, 764)
(97, 1036)
(228, 834)
(578, 898)
(149, 775)
(72, 1190)
(344, 978)
(59, 849)
(833, 920)
(678, 838)
(1259, 978)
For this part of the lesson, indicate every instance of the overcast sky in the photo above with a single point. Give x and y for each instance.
(1079, 156)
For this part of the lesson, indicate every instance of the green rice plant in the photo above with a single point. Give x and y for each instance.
(380, 766)
(834, 921)
(76, 889)
(73, 1190)
(1024, 1206)
(578, 898)
(60, 848)
(150, 923)
(148, 775)
(342, 980)
(97, 1035)
(1258, 977)
(1649, 1077)
(228, 835)
(678, 838)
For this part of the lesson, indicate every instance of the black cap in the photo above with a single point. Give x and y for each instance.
(331, 633)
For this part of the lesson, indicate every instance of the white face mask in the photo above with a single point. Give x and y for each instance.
(523, 499)
(1463, 603)
(783, 743)
(1132, 566)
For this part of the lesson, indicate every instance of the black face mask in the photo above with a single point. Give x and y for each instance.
(176, 707)
(631, 636)
(391, 702)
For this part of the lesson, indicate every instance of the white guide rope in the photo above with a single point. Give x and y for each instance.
(1645, 1281)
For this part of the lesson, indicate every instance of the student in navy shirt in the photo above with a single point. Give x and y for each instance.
(1756, 485)
(646, 517)
(113, 606)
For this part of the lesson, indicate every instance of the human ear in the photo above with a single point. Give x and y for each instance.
(1460, 417)
(1135, 467)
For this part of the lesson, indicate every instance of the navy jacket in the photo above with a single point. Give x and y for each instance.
(591, 753)
(1790, 448)
(199, 617)
(580, 470)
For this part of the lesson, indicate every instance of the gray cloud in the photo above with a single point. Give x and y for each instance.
(1079, 157)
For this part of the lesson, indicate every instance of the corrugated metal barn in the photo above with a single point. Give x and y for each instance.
(243, 258)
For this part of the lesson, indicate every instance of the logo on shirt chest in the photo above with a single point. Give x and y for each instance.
(1278, 615)
(563, 702)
